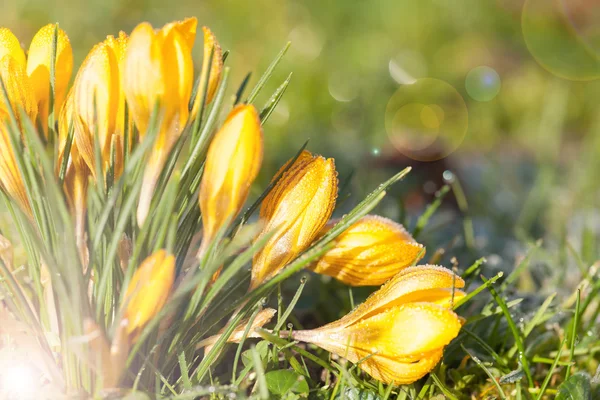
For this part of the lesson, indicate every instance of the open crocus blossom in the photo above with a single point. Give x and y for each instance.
(148, 290)
(158, 71)
(232, 164)
(296, 210)
(369, 252)
(398, 334)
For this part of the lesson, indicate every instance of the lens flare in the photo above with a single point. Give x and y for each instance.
(482, 83)
(427, 120)
(18, 382)
(563, 37)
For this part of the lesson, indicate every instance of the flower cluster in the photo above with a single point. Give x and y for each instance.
(138, 89)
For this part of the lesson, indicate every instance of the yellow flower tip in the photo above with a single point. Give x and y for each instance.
(296, 209)
(403, 326)
(211, 45)
(148, 290)
(18, 88)
(232, 164)
(39, 65)
(9, 45)
(187, 28)
(369, 252)
(96, 95)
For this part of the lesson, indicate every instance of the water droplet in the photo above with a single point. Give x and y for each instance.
(448, 176)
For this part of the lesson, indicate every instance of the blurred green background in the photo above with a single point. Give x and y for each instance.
(502, 93)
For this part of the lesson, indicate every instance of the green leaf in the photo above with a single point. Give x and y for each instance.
(282, 381)
(263, 350)
(577, 387)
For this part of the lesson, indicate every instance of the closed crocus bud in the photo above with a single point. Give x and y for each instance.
(211, 45)
(369, 252)
(158, 71)
(296, 209)
(399, 333)
(232, 163)
(20, 100)
(119, 46)
(148, 290)
(96, 94)
(39, 61)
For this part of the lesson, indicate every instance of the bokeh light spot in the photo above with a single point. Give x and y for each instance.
(426, 120)
(482, 83)
(562, 38)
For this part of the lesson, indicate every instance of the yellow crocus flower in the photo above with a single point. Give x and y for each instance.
(38, 69)
(297, 208)
(21, 100)
(158, 70)
(369, 252)
(148, 290)
(98, 98)
(232, 164)
(400, 331)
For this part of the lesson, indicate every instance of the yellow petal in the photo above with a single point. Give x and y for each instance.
(119, 47)
(38, 69)
(389, 370)
(216, 69)
(143, 73)
(232, 164)
(96, 100)
(148, 290)
(369, 252)
(187, 29)
(296, 209)
(179, 77)
(18, 88)
(424, 283)
(9, 45)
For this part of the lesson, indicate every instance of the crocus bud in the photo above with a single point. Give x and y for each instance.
(232, 163)
(399, 333)
(96, 94)
(39, 61)
(20, 99)
(158, 71)
(296, 209)
(216, 69)
(369, 252)
(148, 290)
(119, 46)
